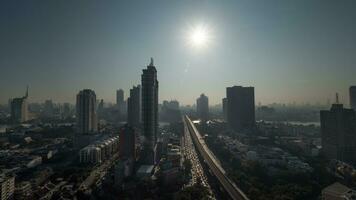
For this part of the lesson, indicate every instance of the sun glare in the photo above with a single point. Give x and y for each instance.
(199, 36)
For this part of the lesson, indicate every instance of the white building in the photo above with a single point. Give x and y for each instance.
(36, 160)
(99, 151)
(90, 154)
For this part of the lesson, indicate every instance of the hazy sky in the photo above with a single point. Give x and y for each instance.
(300, 50)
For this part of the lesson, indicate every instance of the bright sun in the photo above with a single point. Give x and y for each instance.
(199, 36)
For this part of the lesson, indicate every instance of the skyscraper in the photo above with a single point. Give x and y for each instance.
(87, 121)
(134, 107)
(203, 107)
(338, 133)
(224, 107)
(119, 97)
(240, 107)
(19, 109)
(127, 143)
(150, 109)
(352, 92)
(121, 104)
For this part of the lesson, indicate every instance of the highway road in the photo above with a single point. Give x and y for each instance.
(234, 192)
(197, 171)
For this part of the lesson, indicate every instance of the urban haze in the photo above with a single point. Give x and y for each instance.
(181, 100)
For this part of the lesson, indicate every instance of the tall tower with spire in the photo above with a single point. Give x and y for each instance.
(149, 104)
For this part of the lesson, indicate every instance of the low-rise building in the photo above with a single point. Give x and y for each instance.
(337, 191)
(99, 151)
(90, 154)
(34, 162)
(145, 171)
(23, 190)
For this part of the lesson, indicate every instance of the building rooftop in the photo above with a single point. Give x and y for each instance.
(145, 169)
(336, 189)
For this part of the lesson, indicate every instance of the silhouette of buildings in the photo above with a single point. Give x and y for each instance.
(352, 92)
(149, 110)
(19, 109)
(100, 110)
(120, 102)
(119, 97)
(203, 107)
(134, 107)
(66, 110)
(127, 143)
(338, 133)
(240, 107)
(170, 111)
(224, 107)
(174, 104)
(48, 108)
(87, 121)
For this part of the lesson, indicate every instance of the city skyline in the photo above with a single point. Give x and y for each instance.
(203, 99)
(306, 45)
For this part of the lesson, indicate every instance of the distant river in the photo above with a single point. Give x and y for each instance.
(296, 123)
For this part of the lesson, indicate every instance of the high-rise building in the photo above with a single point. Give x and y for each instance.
(240, 107)
(224, 107)
(149, 104)
(127, 143)
(203, 107)
(119, 97)
(121, 103)
(48, 108)
(66, 111)
(352, 92)
(338, 133)
(87, 121)
(19, 109)
(100, 110)
(134, 107)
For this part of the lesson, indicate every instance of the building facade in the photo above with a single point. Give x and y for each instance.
(120, 102)
(87, 121)
(203, 107)
(240, 107)
(149, 104)
(338, 133)
(127, 143)
(119, 97)
(352, 93)
(19, 109)
(7, 188)
(134, 107)
(224, 107)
